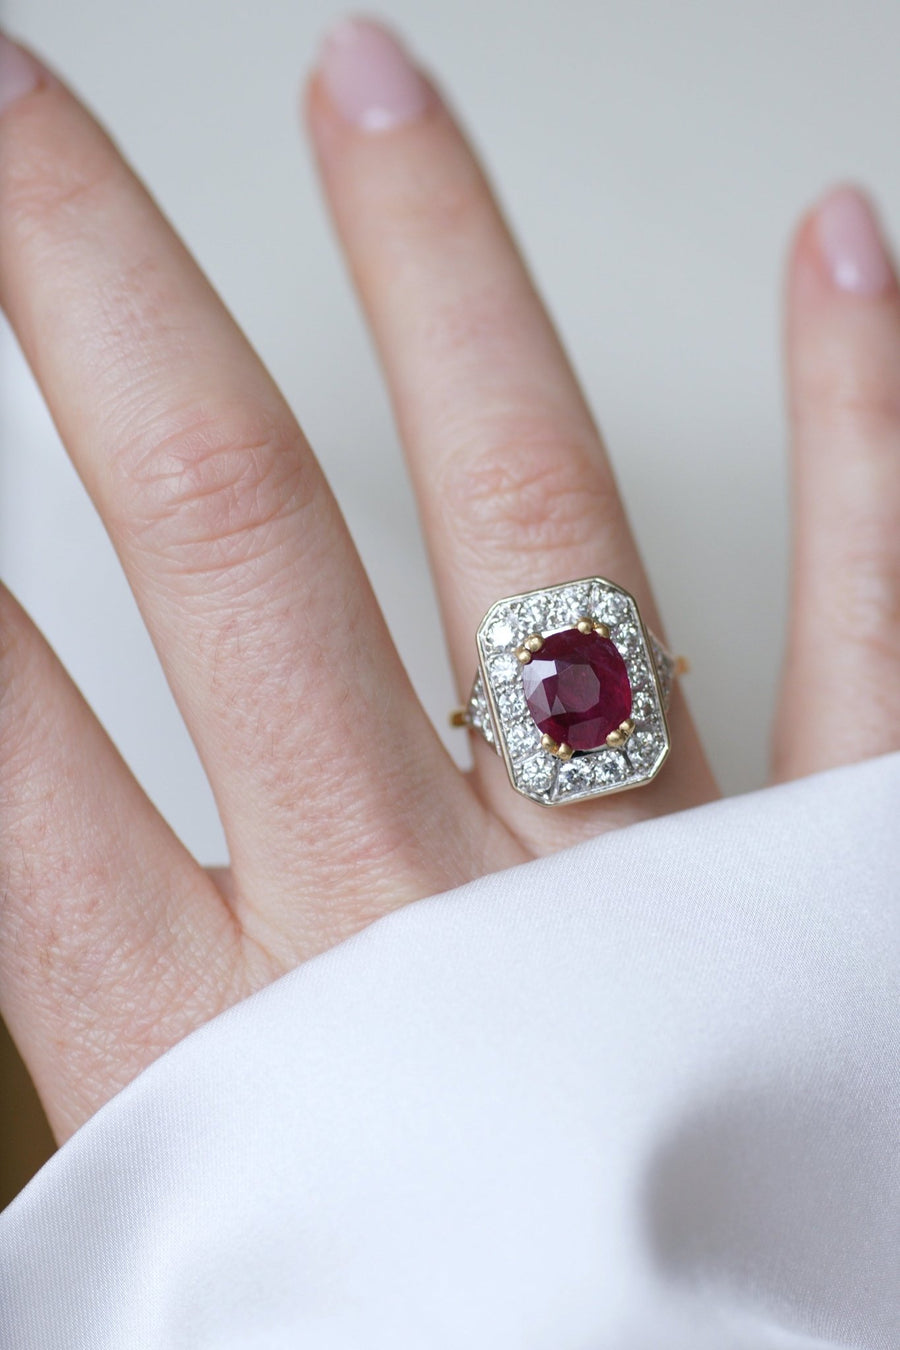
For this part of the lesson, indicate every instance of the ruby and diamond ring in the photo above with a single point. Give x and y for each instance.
(572, 692)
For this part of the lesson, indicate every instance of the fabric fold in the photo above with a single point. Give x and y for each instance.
(644, 1095)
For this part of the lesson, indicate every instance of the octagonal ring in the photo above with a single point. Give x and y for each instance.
(572, 691)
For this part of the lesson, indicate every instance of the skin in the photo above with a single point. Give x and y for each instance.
(114, 942)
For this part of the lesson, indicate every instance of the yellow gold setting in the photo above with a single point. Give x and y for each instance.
(563, 752)
(616, 739)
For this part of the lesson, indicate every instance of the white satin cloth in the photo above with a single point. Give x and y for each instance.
(643, 1095)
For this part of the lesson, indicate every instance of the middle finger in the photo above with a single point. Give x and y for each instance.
(235, 549)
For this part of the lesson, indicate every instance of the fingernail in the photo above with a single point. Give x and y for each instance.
(369, 77)
(852, 244)
(19, 73)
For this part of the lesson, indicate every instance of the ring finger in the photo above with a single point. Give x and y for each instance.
(513, 482)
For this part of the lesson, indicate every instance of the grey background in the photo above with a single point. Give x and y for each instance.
(653, 158)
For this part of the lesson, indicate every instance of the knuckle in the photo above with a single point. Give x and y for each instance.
(207, 492)
(43, 189)
(527, 491)
(853, 406)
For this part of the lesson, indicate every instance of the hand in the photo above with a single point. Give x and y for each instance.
(114, 942)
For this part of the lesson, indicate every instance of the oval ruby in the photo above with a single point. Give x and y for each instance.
(577, 688)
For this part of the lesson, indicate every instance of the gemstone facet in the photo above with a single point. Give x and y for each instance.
(577, 688)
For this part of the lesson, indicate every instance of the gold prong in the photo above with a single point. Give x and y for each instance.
(523, 656)
(585, 626)
(534, 643)
(565, 751)
(548, 743)
(601, 629)
(459, 717)
(615, 739)
(626, 728)
(682, 665)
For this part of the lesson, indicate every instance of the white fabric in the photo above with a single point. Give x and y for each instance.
(643, 1095)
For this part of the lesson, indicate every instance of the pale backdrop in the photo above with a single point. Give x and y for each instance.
(652, 156)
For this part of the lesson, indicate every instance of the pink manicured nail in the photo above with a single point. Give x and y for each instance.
(852, 244)
(19, 74)
(369, 77)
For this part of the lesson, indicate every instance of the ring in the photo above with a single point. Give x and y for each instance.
(572, 691)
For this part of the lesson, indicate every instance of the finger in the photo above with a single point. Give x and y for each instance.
(233, 544)
(513, 482)
(113, 942)
(840, 699)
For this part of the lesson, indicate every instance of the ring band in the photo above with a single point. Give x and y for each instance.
(572, 691)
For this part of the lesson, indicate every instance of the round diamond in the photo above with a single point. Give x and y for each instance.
(626, 636)
(644, 706)
(511, 703)
(504, 629)
(537, 773)
(561, 610)
(577, 688)
(574, 776)
(644, 749)
(611, 608)
(533, 614)
(609, 767)
(504, 668)
(521, 738)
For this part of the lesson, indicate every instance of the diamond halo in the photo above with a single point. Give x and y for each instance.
(498, 709)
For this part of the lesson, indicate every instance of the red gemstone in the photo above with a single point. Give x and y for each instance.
(577, 688)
